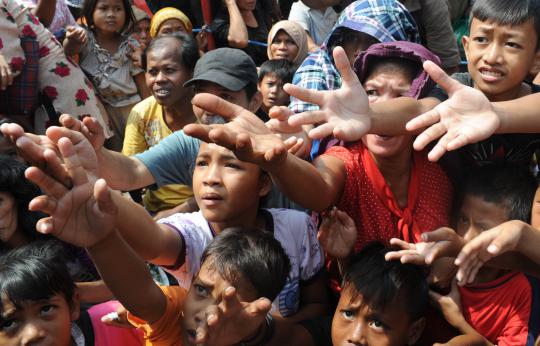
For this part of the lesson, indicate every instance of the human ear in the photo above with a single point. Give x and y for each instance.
(265, 184)
(415, 331)
(75, 305)
(465, 43)
(255, 102)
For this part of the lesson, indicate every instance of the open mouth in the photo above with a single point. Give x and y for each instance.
(491, 74)
(162, 92)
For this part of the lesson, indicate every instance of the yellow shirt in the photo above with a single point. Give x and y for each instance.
(145, 128)
(166, 331)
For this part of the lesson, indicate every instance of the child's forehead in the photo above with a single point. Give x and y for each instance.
(522, 29)
(271, 75)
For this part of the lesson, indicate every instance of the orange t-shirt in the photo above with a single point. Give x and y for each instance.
(167, 330)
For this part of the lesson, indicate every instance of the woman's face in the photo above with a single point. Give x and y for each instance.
(382, 86)
(171, 26)
(246, 5)
(8, 216)
(283, 47)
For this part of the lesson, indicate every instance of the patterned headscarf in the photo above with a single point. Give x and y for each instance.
(166, 14)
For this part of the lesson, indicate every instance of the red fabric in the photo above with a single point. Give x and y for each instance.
(500, 309)
(371, 204)
(141, 4)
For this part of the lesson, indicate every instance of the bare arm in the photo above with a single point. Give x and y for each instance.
(75, 39)
(122, 172)
(238, 34)
(45, 11)
(520, 115)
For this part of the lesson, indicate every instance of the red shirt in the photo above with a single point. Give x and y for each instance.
(500, 309)
(371, 204)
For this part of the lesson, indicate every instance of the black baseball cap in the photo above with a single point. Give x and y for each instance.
(231, 68)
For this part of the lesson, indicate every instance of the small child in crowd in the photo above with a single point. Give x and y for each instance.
(273, 74)
(104, 56)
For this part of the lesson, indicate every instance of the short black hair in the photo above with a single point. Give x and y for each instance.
(251, 254)
(509, 12)
(393, 64)
(89, 7)
(34, 272)
(382, 283)
(187, 53)
(510, 186)
(13, 182)
(282, 68)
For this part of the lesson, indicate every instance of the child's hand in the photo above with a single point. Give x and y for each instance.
(450, 305)
(6, 76)
(344, 113)
(232, 320)
(337, 234)
(76, 34)
(117, 319)
(443, 242)
(136, 53)
(301, 145)
(485, 246)
(81, 215)
(245, 134)
(466, 117)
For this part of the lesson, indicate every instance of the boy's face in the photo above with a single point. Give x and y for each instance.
(356, 323)
(500, 57)
(165, 75)
(206, 289)
(237, 97)
(382, 86)
(46, 322)
(271, 88)
(476, 215)
(226, 189)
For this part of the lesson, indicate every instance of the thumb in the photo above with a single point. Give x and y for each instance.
(441, 78)
(440, 234)
(104, 199)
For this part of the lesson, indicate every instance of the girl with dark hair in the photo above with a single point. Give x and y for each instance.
(104, 47)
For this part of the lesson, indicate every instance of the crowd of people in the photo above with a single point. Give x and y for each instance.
(269, 172)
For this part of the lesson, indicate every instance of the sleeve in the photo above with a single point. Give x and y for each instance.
(167, 330)
(220, 30)
(516, 329)
(299, 14)
(134, 141)
(172, 160)
(195, 241)
(312, 257)
(439, 33)
(309, 76)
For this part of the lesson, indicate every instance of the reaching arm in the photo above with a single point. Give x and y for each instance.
(238, 34)
(75, 39)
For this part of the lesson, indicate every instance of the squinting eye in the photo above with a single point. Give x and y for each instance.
(378, 326)
(372, 92)
(8, 326)
(201, 290)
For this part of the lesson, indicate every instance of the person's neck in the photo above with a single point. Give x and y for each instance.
(512, 94)
(396, 171)
(179, 115)
(252, 221)
(107, 40)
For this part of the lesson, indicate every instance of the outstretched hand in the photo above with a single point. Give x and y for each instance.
(498, 240)
(245, 134)
(443, 242)
(466, 117)
(81, 215)
(232, 320)
(344, 112)
(337, 234)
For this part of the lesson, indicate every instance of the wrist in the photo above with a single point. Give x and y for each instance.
(104, 243)
(501, 114)
(263, 335)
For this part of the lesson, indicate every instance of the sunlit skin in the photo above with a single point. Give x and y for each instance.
(206, 289)
(226, 189)
(357, 323)
(476, 216)
(283, 47)
(500, 58)
(383, 86)
(171, 26)
(45, 322)
(109, 16)
(271, 88)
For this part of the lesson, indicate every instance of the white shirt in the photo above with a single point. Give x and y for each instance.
(317, 23)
